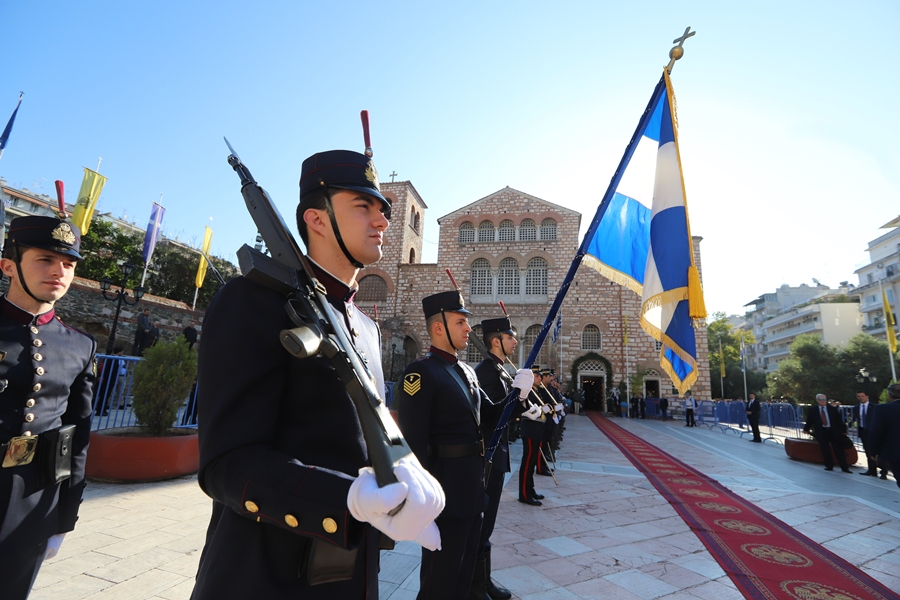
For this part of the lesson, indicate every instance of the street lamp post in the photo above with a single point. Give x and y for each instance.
(864, 378)
(119, 297)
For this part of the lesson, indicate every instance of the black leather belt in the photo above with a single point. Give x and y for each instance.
(456, 450)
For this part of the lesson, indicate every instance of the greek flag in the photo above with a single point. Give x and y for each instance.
(556, 328)
(643, 240)
(152, 235)
(4, 137)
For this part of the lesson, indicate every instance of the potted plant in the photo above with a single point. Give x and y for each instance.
(154, 450)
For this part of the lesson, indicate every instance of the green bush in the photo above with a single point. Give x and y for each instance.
(162, 382)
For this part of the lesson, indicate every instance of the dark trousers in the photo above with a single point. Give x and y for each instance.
(531, 450)
(895, 469)
(828, 441)
(689, 417)
(447, 574)
(754, 427)
(19, 566)
(493, 490)
(543, 467)
(664, 415)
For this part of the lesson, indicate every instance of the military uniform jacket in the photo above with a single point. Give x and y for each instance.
(434, 410)
(884, 438)
(496, 389)
(47, 370)
(280, 444)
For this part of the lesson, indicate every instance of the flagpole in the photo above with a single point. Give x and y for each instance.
(744, 367)
(887, 323)
(627, 378)
(721, 370)
(194, 305)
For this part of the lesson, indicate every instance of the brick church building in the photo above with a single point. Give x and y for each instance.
(517, 248)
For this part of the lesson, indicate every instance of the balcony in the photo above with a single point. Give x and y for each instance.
(793, 330)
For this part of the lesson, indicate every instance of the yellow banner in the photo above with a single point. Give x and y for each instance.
(626, 330)
(889, 323)
(91, 186)
(201, 271)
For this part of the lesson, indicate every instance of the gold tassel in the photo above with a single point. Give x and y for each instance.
(695, 294)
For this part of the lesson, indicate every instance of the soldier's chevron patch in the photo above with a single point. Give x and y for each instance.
(412, 383)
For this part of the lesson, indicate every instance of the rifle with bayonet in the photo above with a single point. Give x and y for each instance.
(317, 331)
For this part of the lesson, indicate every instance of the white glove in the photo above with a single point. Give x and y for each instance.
(556, 419)
(423, 494)
(545, 408)
(523, 381)
(533, 413)
(558, 406)
(430, 537)
(53, 545)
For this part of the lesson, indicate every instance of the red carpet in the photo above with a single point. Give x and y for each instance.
(763, 556)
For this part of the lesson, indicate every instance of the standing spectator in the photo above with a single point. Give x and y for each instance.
(885, 436)
(642, 403)
(623, 405)
(143, 328)
(825, 424)
(664, 408)
(577, 399)
(863, 414)
(151, 338)
(689, 405)
(190, 335)
(753, 409)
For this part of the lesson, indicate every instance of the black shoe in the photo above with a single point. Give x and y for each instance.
(884, 475)
(868, 473)
(846, 471)
(531, 501)
(537, 496)
(829, 468)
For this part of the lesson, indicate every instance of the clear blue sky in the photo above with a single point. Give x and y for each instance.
(787, 112)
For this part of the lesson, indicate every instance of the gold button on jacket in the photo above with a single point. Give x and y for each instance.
(329, 525)
(251, 506)
(291, 520)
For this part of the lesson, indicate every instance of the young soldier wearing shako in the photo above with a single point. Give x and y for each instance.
(46, 386)
(501, 341)
(439, 409)
(282, 452)
(531, 427)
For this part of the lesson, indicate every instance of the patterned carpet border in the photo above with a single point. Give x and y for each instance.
(765, 557)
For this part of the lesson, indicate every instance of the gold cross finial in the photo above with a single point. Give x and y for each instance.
(678, 51)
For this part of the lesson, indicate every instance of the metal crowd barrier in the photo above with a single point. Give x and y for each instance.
(112, 396)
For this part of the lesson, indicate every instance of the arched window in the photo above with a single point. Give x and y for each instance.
(530, 336)
(536, 277)
(412, 256)
(466, 233)
(372, 288)
(481, 278)
(410, 350)
(548, 229)
(527, 231)
(416, 222)
(486, 232)
(472, 354)
(590, 337)
(508, 279)
(507, 231)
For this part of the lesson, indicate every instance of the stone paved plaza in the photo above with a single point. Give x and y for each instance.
(604, 532)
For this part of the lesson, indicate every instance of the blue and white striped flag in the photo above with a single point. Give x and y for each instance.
(644, 241)
(4, 137)
(156, 217)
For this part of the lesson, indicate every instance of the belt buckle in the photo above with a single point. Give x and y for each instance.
(482, 446)
(20, 451)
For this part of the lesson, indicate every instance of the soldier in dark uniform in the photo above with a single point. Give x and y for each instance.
(550, 423)
(440, 406)
(282, 453)
(46, 386)
(531, 427)
(501, 341)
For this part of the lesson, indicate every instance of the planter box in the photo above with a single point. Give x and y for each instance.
(808, 451)
(121, 455)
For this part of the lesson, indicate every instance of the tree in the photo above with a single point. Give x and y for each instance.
(864, 351)
(811, 368)
(172, 271)
(719, 330)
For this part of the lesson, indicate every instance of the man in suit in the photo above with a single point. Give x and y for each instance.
(664, 408)
(885, 437)
(863, 413)
(47, 383)
(439, 412)
(753, 417)
(825, 424)
(296, 511)
(689, 405)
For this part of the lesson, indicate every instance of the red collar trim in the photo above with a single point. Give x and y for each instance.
(333, 286)
(450, 358)
(10, 310)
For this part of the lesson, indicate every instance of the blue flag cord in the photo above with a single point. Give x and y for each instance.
(582, 250)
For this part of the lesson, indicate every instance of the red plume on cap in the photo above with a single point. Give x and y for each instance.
(61, 197)
(364, 117)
